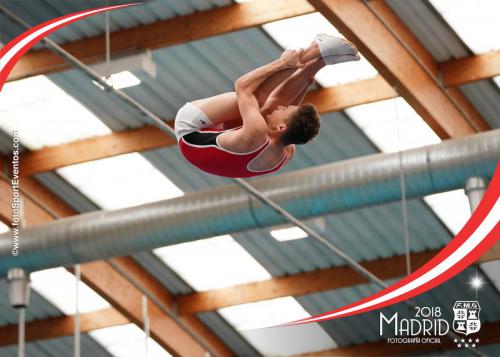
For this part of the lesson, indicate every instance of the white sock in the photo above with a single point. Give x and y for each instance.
(336, 50)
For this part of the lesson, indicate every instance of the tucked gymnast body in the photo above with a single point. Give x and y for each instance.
(253, 131)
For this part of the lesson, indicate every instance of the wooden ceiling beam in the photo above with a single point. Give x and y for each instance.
(100, 147)
(127, 300)
(297, 284)
(427, 61)
(151, 284)
(462, 71)
(305, 283)
(121, 294)
(150, 138)
(369, 26)
(177, 30)
(56, 327)
(430, 100)
(237, 17)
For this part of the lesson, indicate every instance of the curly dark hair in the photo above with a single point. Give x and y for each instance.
(303, 126)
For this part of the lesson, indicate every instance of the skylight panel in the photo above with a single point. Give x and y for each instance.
(286, 234)
(212, 263)
(393, 128)
(59, 286)
(299, 32)
(127, 340)
(120, 181)
(475, 21)
(44, 114)
(451, 207)
(3, 228)
(249, 319)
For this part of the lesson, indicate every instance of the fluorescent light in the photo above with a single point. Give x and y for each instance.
(120, 181)
(386, 121)
(45, 115)
(212, 263)
(280, 341)
(141, 61)
(120, 80)
(58, 286)
(475, 21)
(451, 207)
(124, 80)
(286, 234)
(127, 340)
(4, 228)
(299, 32)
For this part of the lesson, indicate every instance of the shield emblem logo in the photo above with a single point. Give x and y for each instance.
(466, 320)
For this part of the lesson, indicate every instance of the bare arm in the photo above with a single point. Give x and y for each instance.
(300, 98)
(252, 80)
(246, 85)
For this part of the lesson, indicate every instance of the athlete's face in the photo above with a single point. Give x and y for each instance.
(280, 117)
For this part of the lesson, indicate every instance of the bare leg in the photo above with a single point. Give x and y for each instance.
(292, 90)
(273, 82)
(223, 108)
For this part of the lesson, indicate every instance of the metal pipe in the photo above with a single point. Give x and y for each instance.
(319, 190)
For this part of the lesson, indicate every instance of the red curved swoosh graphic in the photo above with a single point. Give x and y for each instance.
(476, 237)
(12, 52)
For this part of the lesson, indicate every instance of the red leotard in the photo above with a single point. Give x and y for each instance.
(219, 161)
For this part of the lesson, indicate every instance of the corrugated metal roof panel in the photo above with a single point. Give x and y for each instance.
(444, 44)
(58, 347)
(66, 192)
(485, 95)
(184, 72)
(358, 233)
(162, 273)
(150, 11)
(227, 334)
(39, 308)
(5, 143)
(208, 67)
(432, 31)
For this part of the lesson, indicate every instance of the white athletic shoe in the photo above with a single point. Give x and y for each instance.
(336, 50)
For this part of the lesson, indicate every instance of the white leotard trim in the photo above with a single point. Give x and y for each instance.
(272, 168)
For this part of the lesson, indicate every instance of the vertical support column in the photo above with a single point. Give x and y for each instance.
(18, 282)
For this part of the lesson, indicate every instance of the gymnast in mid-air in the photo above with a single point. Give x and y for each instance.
(253, 131)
